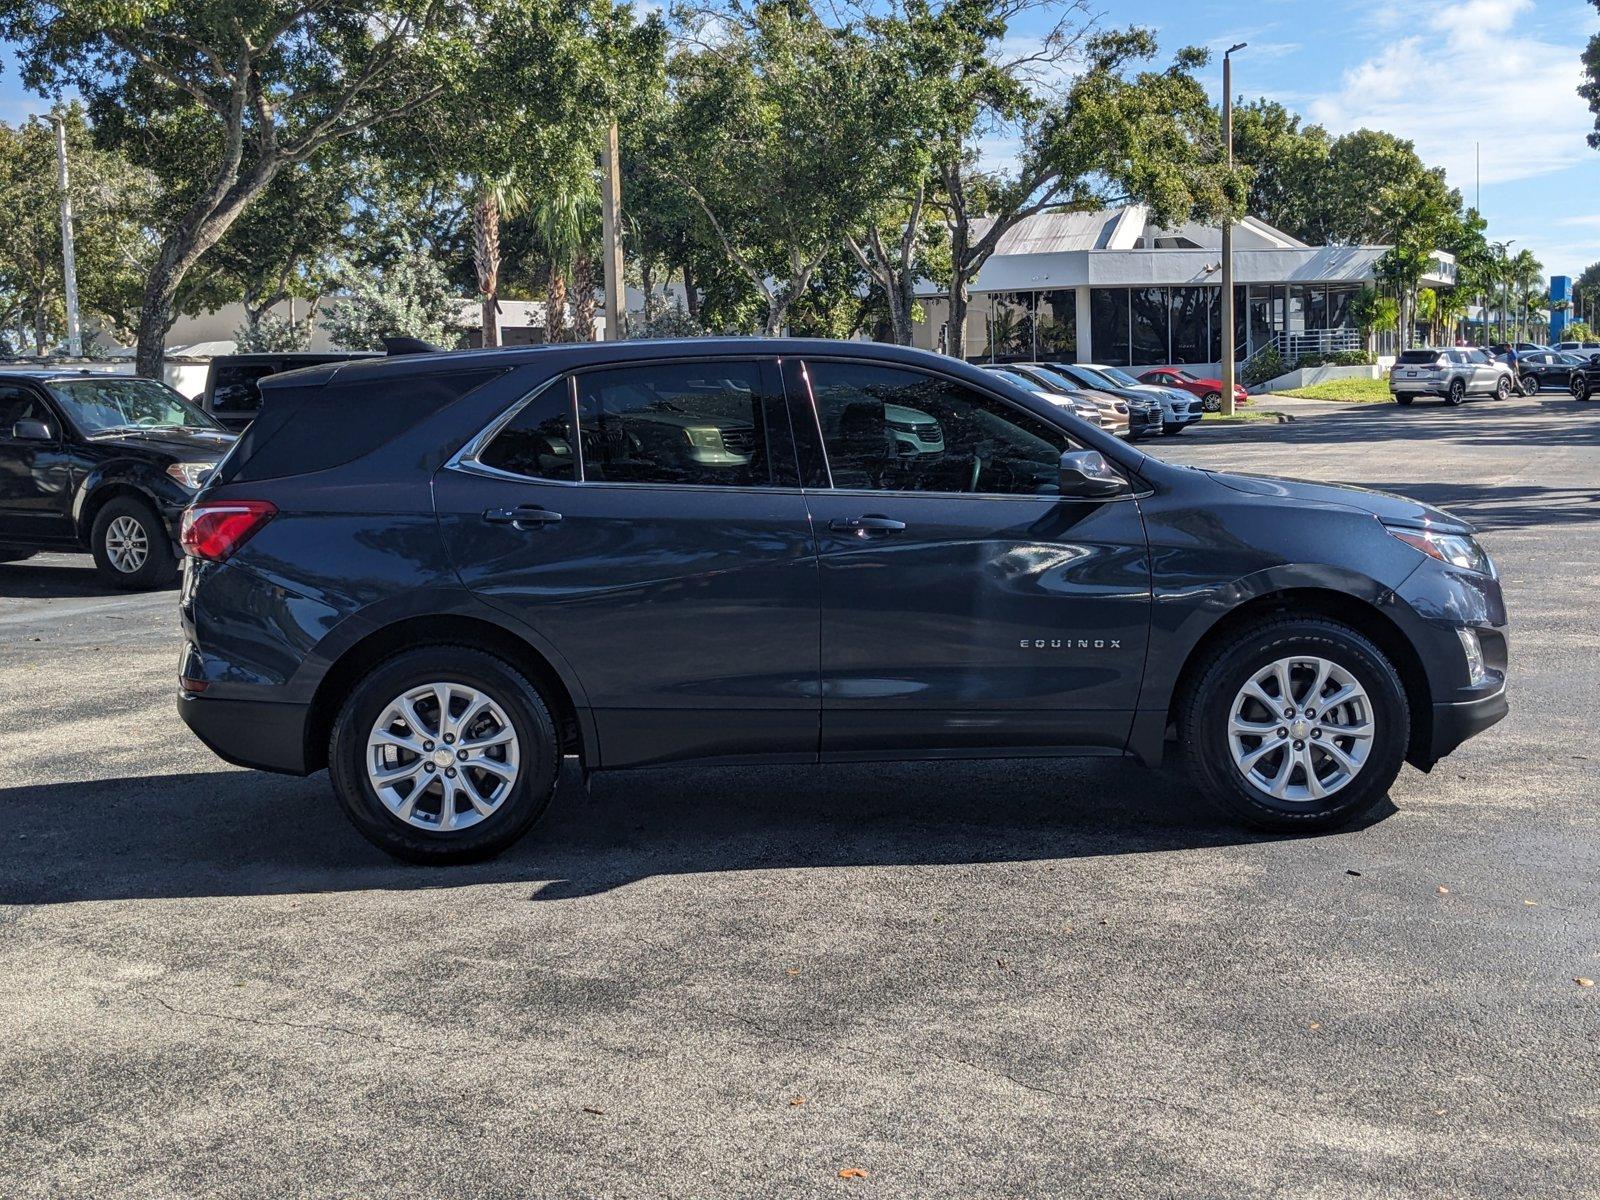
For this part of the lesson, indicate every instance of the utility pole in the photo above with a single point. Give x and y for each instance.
(610, 221)
(1228, 364)
(69, 261)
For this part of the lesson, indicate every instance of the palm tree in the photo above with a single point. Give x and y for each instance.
(493, 201)
(566, 219)
(1525, 272)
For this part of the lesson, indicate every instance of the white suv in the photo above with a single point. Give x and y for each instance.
(1452, 374)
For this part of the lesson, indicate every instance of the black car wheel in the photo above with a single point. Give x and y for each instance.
(1456, 393)
(130, 545)
(1212, 401)
(444, 754)
(1580, 387)
(1296, 723)
(1530, 385)
(1402, 399)
(1502, 388)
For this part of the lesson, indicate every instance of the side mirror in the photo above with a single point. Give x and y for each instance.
(1087, 475)
(30, 430)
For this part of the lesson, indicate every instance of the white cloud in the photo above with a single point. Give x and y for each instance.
(1452, 75)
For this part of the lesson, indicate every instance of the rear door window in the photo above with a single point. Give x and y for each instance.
(692, 423)
(538, 442)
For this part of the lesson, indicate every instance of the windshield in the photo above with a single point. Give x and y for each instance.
(1120, 378)
(1054, 380)
(108, 403)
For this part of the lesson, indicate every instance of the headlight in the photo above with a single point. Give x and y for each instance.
(705, 439)
(1457, 549)
(191, 475)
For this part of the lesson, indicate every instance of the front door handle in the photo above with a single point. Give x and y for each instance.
(867, 526)
(522, 516)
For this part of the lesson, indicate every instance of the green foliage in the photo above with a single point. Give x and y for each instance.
(412, 298)
(1267, 364)
(673, 321)
(272, 334)
(1578, 331)
(1374, 312)
(1353, 391)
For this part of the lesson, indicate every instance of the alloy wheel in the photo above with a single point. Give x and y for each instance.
(442, 756)
(1301, 728)
(127, 544)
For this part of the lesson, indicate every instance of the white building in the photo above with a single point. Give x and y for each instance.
(1111, 287)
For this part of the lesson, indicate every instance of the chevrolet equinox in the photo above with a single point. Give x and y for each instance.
(437, 575)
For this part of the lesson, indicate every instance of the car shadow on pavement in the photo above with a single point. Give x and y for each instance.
(55, 580)
(232, 833)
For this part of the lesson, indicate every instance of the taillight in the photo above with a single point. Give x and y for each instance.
(213, 530)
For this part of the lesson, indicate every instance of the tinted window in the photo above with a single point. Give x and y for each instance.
(888, 429)
(18, 404)
(538, 442)
(690, 423)
(1419, 357)
(234, 387)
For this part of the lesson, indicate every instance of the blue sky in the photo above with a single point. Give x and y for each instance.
(1444, 74)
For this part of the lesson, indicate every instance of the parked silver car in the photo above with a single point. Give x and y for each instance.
(1453, 374)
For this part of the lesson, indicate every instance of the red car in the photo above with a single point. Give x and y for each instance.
(1209, 390)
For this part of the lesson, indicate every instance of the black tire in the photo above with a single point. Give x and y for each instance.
(530, 793)
(1212, 402)
(159, 565)
(1580, 388)
(1207, 709)
(1502, 388)
(1455, 393)
(1401, 399)
(13, 556)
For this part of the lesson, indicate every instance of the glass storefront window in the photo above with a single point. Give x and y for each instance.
(1011, 319)
(1339, 316)
(1148, 308)
(1108, 325)
(1056, 326)
(1190, 337)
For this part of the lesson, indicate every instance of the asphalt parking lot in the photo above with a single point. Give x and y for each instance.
(1008, 979)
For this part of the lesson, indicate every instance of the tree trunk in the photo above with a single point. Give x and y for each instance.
(583, 298)
(956, 327)
(691, 295)
(486, 261)
(555, 305)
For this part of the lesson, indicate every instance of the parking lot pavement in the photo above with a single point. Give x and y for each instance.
(1011, 979)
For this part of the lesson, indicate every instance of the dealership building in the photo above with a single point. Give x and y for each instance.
(1111, 287)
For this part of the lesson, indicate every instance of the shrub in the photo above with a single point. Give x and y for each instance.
(1268, 364)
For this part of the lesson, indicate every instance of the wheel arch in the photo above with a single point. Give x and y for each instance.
(572, 727)
(98, 491)
(1359, 614)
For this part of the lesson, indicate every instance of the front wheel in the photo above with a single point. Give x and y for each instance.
(130, 545)
(1296, 723)
(1530, 385)
(1212, 401)
(1580, 388)
(444, 754)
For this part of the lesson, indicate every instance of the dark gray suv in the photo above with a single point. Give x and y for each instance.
(438, 575)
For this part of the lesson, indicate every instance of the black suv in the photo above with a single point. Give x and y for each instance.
(233, 381)
(104, 463)
(437, 575)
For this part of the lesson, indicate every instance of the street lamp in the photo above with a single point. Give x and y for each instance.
(1228, 364)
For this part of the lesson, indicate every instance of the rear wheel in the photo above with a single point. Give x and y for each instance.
(444, 754)
(1296, 723)
(1456, 392)
(1402, 399)
(1502, 388)
(130, 545)
(1212, 401)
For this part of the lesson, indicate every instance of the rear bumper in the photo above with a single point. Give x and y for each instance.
(263, 735)
(1454, 723)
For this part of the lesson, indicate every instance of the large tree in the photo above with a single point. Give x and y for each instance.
(245, 88)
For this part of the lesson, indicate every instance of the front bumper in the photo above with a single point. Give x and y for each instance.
(1455, 722)
(263, 735)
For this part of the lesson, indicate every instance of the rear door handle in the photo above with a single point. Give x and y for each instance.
(521, 516)
(867, 526)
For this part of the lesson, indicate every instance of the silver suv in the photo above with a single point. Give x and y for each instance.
(1453, 374)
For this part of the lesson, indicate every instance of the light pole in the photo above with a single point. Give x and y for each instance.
(1227, 237)
(69, 259)
(611, 235)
